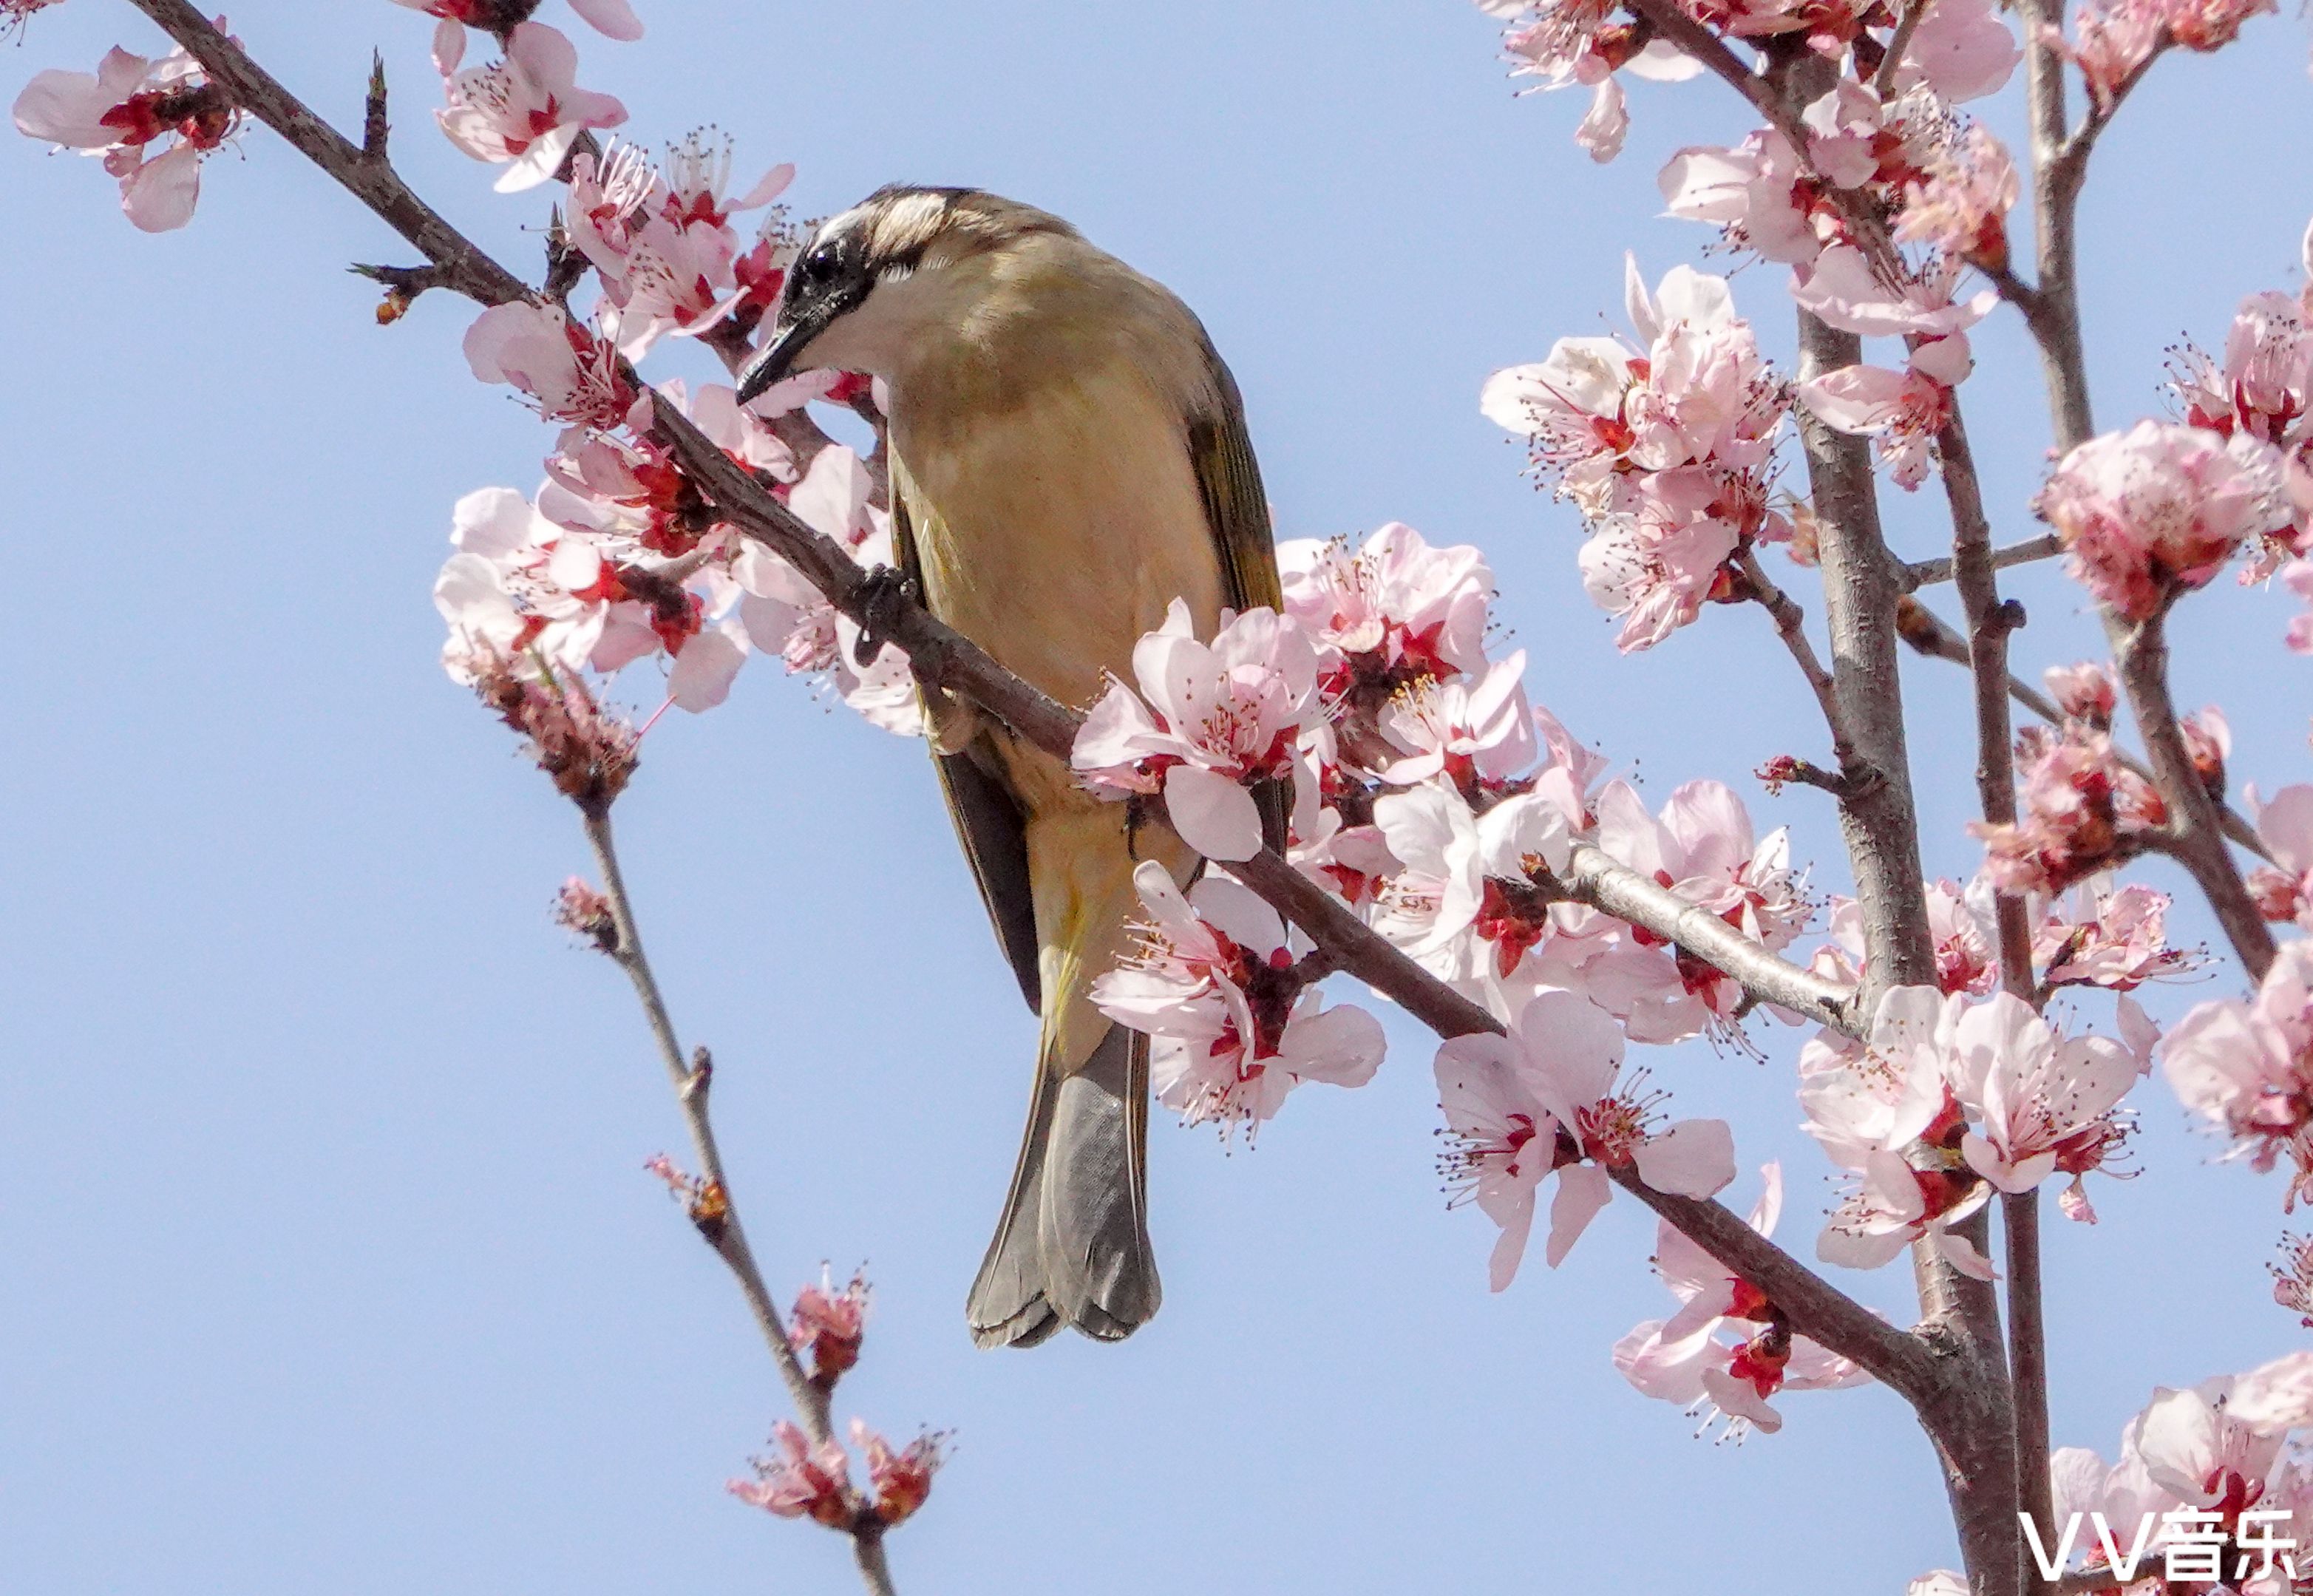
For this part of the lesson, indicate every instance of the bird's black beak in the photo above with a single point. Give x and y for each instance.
(776, 358)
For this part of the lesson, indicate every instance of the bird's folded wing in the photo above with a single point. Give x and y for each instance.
(1228, 479)
(989, 822)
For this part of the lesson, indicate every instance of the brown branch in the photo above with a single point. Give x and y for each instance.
(1990, 623)
(375, 129)
(1928, 633)
(721, 1227)
(2196, 828)
(1926, 573)
(1790, 625)
(1596, 878)
(2052, 312)
(1883, 82)
(1861, 588)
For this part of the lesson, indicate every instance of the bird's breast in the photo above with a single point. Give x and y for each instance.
(1055, 526)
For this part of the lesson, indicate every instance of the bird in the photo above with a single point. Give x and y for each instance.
(1067, 456)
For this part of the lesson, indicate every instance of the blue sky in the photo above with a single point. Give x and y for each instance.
(328, 1259)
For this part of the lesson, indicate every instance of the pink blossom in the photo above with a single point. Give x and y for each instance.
(1729, 1381)
(1885, 1111)
(1214, 980)
(1892, 1203)
(1207, 718)
(1901, 412)
(1567, 42)
(1844, 289)
(1505, 1141)
(1706, 1289)
(500, 594)
(1682, 433)
(2248, 1068)
(572, 375)
(2284, 888)
(1474, 733)
(2265, 385)
(1657, 570)
(1826, 23)
(614, 19)
(153, 122)
(2157, 510)
(786, 615)
(1703, 849)
(698, 181)
(583, 912)
(1963, 940)
(1682, 1359)
(828, 1325)
(2114, 937)
(2085, 692)
(801, 1480)
(2083, 812)
(901, 1480)
(1756, 193)
(1961, 204)
(1394, 609)
(1561, 1060)
(2114, 39)
(1891, 1091)
(668, 258)
(2298, 574)
(527, 110)
(676, 280)
(2042, 1100)
(1961, 49)
(1463, 899)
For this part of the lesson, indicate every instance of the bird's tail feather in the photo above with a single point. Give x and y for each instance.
(1073, 1245)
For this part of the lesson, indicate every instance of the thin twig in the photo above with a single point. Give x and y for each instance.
(1883, 82)
(723, 1231)
(375, 129)
(1790, 625)
(1929, 634)
(1927, 573)
(1991, 621)
(2140, 650)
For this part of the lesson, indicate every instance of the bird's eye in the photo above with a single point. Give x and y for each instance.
(819, 266)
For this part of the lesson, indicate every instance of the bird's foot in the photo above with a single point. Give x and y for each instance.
(884, 594)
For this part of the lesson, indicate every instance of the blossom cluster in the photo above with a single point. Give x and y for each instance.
(1665, 443)
(2246, 1069)
(1727, 1348)
(2084, 810)
(1950, 1098)
(1434, 802)
(2212, 1480)
(802, 1480)
(151, 121)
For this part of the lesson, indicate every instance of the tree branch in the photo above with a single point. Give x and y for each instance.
(2140, 650)
(1990, 623)
(1925, 573)
(1596, 878)
(720, 1226)
(1928, 633)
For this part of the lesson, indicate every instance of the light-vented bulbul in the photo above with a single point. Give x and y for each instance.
(1067, 457)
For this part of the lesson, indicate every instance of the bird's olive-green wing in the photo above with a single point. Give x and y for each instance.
(1228, 479)
(987, 818)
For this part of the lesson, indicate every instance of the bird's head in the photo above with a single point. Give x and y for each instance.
(882, 274)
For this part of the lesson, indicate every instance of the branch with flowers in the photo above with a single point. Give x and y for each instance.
(1453, 847)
